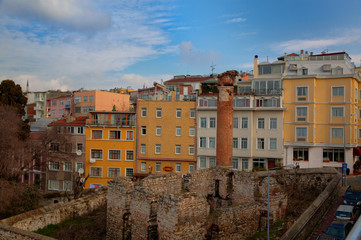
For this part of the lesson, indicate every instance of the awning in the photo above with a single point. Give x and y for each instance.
(356, 151)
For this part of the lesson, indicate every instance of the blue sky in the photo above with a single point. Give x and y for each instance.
(102, 44)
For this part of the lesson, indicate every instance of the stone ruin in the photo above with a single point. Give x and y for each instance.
(214, 203)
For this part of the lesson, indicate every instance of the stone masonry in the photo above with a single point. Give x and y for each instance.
(214, 203)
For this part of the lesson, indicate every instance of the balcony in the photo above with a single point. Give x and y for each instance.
(116, 123)
(38, 108)
(273, 102)
(267, 91)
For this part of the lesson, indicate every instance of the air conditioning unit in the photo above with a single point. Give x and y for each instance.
(92, 160)
(293, 67)
(301, 119)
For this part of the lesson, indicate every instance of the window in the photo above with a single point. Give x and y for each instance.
(115, 134)
(143, 166)
(300, 154)
(202, 142)
(143, 130)
(53, 113)
(97, 134)
(235, 122)
(177, 167)
(67, 185)
(203, 122)
(157, 166)
(177, 149)
(260, 143)
(54, 147)
(157, 148)
(235, 142)
(91, 98)
(260, 123)
(273, 123)
(68, 166)
(302, 91)
(54, 166)
(158, 131)
(78, 166)
(192, 113)
(129, 172)
(178, 113)
(77, 99)
(85, 98)
(159, 113)
(144, 112)
(96, 153)
(273, 143)
(337, 132)
(84, 109)
(337, 91)
(113, 172)
(333, 155)
(129, 135)
(202, 162)
(244, 164)
(129, 155)
(301, 111)
(53, 103)
(96, 172)
(77, 109)
(61, 112)
(191, 167)
(61, 102)
(301, 131)
(142, 148)
(244, 143)
(304, 71)
(244, 122)
(212, 162)
(212, 142)
(235, 163)
(53, 185)
(212, 122)
(178, 131)
(259, 163)
(191, 149)
(114, 155)
(80, 130)
(95, 185)
(337, 111)
(192, 131)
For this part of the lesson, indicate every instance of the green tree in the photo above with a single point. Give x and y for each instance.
(12, 95)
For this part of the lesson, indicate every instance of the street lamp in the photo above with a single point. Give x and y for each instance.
(275, 168)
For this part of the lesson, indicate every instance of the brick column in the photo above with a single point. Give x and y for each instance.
(225, 118)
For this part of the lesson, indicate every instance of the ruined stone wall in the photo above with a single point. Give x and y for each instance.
(56, 213)
(11, 233)
(162, 184)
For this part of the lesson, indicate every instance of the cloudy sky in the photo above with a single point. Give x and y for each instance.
(102, 44)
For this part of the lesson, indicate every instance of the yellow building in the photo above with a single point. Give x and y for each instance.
(166, 139)
(321, 123)
(110, 147)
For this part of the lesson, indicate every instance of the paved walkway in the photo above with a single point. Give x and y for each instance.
(328, 218)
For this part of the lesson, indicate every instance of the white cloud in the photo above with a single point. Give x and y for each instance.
(236, 20)
(191, 55)
(74, 15)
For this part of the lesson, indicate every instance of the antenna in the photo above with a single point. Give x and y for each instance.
(212, 67)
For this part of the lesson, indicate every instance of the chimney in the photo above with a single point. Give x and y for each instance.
(224, 150)
(255, 66)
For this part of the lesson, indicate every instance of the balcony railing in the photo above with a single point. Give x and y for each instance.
(267, 91)
(122, 123)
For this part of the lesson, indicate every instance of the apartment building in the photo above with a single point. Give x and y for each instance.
(257, 123)
(322, 96)
(96, 100)
(166, 136)
(65, 158)
(186, 85)
(58, 107)
(110, 147)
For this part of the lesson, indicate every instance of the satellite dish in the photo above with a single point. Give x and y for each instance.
(78, 152)
(82, 180)
(80, 170)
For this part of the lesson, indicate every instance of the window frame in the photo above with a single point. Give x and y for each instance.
(127, 154)
(110, 155)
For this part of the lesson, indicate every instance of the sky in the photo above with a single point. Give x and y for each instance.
(104, 44)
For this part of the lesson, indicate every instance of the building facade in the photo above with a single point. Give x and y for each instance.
(110, 147)
(166, 136)
(58, 107)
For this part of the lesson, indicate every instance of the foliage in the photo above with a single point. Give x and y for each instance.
(16, 198)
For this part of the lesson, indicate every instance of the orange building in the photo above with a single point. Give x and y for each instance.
(110, 147)
(166, 139)
(95, 100)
